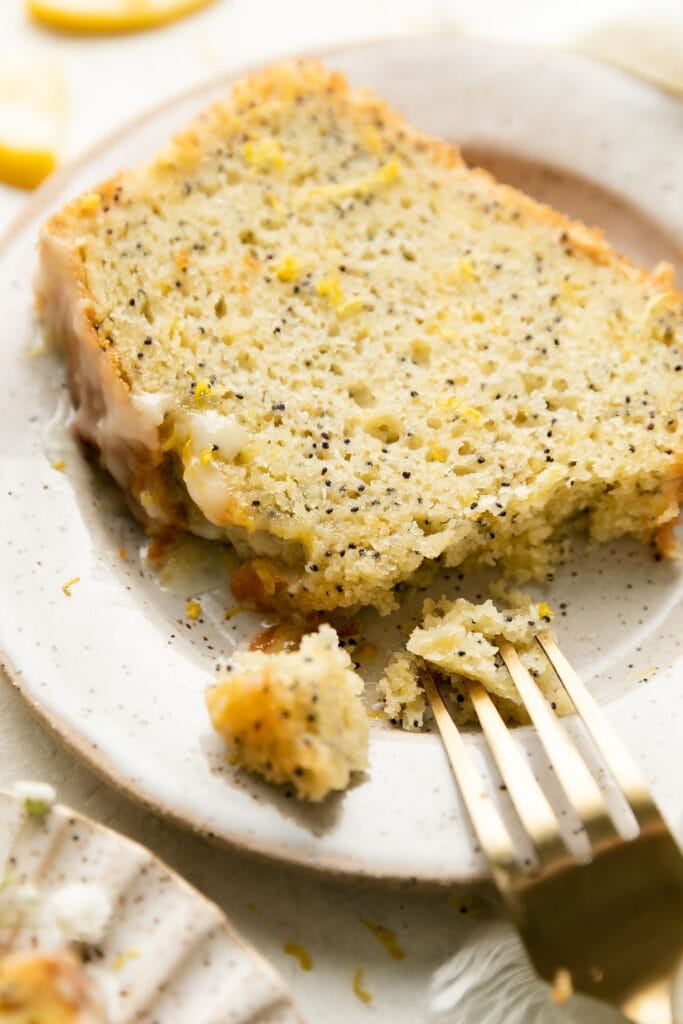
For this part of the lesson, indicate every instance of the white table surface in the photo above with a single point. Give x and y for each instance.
(108, 80)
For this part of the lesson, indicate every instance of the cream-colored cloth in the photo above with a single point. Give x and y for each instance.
(650, 47)
(490, 980)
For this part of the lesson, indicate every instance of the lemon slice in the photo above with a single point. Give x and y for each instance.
(110, 15)
(31, 118)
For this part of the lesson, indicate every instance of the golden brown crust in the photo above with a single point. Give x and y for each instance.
(666, 542)
(290, 79)
(262, 583)
(97, 383)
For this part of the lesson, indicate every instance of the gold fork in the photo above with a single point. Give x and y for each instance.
(611, 926)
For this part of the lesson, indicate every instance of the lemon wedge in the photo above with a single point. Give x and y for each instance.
(109, 15)
(31, 118)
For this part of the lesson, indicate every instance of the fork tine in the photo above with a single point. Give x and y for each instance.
(529, 800)
(617, 758)
(487, 822)
(577, 782)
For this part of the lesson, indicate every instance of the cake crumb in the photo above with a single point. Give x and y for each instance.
(458, 640)
(294, 716)
(37, 797)
(562, 988)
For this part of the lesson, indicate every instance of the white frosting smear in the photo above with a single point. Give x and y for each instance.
(210, 428)
(152, 406)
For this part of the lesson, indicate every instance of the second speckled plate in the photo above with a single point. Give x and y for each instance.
(119, 672)
(164, 954)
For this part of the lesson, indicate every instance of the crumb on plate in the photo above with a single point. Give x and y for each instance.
(37, 797)
(294, 716)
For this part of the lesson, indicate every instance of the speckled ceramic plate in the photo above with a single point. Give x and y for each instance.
(165, 953)
(118, 670)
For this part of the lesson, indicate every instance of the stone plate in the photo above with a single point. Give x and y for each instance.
(116, 668)
(165, 953)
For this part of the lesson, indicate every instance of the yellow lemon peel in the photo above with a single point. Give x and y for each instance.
(385, 175)
(264, 155)
(230, 613)
(299, 953)
(460, 408)
(659, 303)
(287, 269)
(362, 993)
(201, 392)
(66, 587)
(464, 270)
(351, 306)
(386, 937)
(31, 118)
(122, 958)
(92, 16)
(330, 289)
(437, 453)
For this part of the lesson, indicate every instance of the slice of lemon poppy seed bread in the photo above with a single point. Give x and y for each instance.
(313, 331)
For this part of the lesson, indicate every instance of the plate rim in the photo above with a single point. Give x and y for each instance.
(331, 865)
